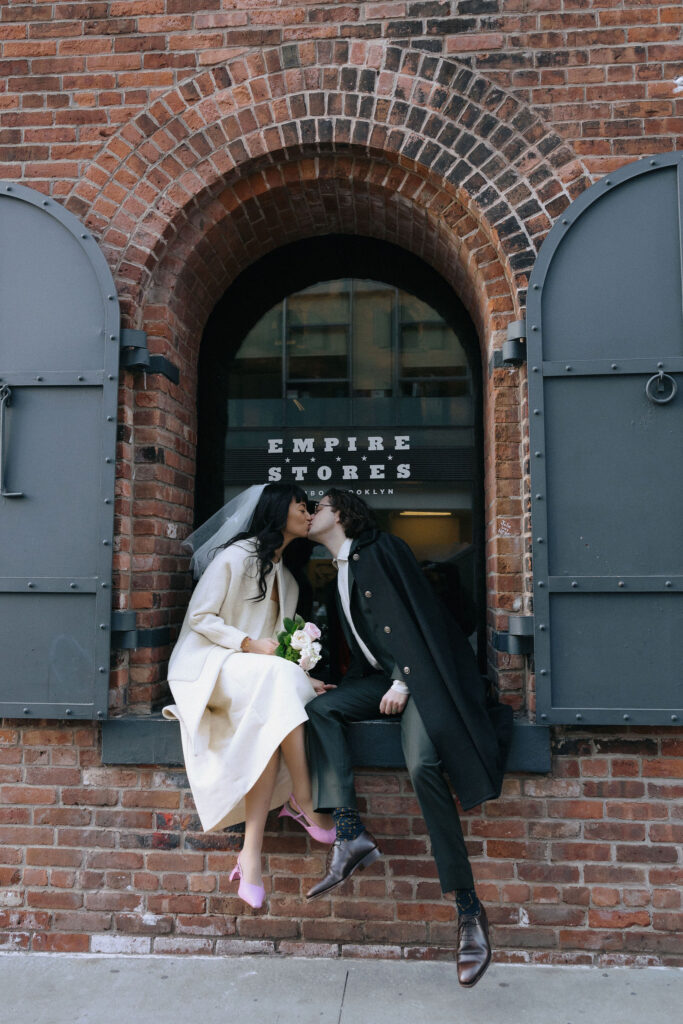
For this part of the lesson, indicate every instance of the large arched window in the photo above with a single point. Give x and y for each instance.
(368, 381)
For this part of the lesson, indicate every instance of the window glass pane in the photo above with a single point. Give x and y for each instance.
(431, 350)
(373, 305)
(256, 371)
(324, 303)
(317, 352)
(414, 310)
(317, 325)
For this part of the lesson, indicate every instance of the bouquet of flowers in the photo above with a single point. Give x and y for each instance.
(298, 642)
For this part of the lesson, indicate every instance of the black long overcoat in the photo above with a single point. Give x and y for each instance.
(405, 624)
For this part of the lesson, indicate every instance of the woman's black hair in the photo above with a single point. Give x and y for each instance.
(267, 525)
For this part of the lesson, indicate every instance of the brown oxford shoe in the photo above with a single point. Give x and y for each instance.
(346, 855)
(474, 949)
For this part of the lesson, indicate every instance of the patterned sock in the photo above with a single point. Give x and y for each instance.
(467, 902)
(348, 823)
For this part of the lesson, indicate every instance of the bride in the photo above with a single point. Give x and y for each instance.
(239, 706)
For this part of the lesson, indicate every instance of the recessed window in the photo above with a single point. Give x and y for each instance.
(347, 352)
(356, 382)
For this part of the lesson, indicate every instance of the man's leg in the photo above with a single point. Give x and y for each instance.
(328, 747)
(332, 773)
(448, 845)
(436, 802)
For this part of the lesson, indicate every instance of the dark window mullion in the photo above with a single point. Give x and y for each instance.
(285, 359)
(350, 342)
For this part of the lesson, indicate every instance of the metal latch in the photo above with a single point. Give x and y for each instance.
(5, 400)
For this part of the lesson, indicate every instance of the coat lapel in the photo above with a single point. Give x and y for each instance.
(285, 594)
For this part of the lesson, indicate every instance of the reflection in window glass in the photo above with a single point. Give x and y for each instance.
(373, 306)
(317, 352)
(355, 339)
(257, 369)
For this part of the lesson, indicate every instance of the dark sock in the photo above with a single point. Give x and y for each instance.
(347, 822)
(467, 902)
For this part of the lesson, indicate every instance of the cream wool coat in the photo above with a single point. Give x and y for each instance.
(234, 709)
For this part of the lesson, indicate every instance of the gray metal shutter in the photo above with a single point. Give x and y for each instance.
(59, 351)
(605, 353)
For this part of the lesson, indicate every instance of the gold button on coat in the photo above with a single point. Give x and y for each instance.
(406, 669)
(387, 629)
(356, 557)
(368, 593)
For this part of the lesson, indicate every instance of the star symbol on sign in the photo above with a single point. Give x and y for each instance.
(390, 457)
(365, 458)
(339, 458)
(286, 460)
(312, 458)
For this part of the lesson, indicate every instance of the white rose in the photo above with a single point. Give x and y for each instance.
(310, 656)
(300, 640)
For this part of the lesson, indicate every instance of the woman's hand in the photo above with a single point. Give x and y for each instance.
(320, 687)
(262, 646)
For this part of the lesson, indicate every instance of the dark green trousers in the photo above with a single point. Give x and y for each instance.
(332, 771)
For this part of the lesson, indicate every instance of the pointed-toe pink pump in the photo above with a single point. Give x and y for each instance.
(321, 835)
(254, 895)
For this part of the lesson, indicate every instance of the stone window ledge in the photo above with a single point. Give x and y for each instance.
(152, 739)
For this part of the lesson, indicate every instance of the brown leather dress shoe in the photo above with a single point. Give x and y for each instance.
(474, 949)
(345, 856)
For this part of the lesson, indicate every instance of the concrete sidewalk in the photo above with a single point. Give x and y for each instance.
(39, 988)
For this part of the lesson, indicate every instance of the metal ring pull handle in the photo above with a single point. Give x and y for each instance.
(5, 400)
(661, 388)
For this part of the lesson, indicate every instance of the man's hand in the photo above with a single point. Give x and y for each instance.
(393, 703)
(320, 687)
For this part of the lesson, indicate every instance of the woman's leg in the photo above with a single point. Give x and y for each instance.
(294, 752)
(257, 804)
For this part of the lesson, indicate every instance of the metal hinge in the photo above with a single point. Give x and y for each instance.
(136, 356)
(514, 349)
(125, 635)
(513, 352)
(519, 638)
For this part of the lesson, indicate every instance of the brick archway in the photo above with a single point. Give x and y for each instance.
(427, 115)
(361, 139)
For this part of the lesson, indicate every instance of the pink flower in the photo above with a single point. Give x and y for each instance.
(312, 630)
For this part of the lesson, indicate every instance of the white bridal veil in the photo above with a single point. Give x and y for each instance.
(233, 518)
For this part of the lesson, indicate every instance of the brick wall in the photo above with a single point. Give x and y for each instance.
(599, 71)
(582, 867)
(192, 137)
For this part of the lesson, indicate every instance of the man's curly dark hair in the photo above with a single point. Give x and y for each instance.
(354, 515)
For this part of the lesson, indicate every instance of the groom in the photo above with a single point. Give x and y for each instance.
(407, 658)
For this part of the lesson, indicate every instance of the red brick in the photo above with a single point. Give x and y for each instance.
(51, 943)
(618, 918)
(27, 795)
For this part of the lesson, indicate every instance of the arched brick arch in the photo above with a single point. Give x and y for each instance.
(323, 195)
(429, 116)
(281, 145)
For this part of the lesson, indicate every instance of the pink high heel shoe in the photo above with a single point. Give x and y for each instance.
(321, 835)
(254, 895)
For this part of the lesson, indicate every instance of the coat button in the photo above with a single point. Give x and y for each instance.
(356, 557)
(406, 669)
(387, 629)
(368, 593)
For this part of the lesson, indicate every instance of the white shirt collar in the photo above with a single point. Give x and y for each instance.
(344, 551)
